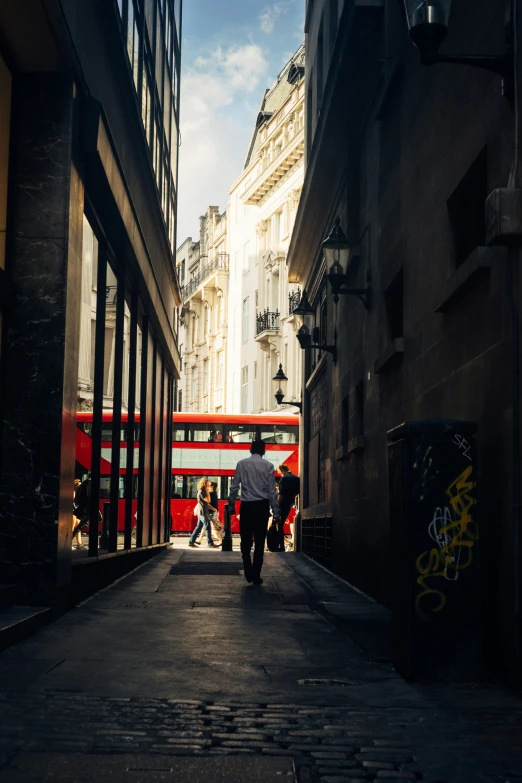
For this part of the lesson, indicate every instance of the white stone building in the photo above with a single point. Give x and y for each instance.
(236, 326)
(263, 204)
(203, 270)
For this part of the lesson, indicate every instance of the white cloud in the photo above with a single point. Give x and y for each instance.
(213, 139)
(271, 14)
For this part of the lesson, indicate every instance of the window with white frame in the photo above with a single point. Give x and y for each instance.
(246, 257)
(193, 383)
(205, 377)
(220, 369)
(245, 319)
(244, 389)
(254, 389)
(276, 228)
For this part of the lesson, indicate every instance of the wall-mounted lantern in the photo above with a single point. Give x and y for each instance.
(428, 22)
(280, 380)
(305, 317)
(336, 249)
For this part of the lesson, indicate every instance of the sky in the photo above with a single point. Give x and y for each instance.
(231, 52)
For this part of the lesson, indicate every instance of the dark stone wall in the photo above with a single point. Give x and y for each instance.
(40, 352)
(419, 131)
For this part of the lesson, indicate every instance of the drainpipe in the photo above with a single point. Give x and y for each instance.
(512, 278)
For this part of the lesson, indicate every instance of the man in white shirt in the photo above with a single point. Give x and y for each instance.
(258, 493)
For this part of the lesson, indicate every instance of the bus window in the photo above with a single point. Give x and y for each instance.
(106, 432)
(193, 485)
(177, 487)
(178, 432)
(207, 433)
(280, 433)
(227, 481)
(241, 433)
(134, 480)
(105, 487)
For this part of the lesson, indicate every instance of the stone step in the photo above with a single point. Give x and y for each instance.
(17, 622)
(7, 595)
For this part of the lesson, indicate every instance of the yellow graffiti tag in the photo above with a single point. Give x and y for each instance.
(455, 542)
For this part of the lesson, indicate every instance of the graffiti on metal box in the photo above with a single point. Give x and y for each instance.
(454, 531)
(464, 445)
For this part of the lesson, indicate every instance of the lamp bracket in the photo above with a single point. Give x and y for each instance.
(328, 348)
(338, 281)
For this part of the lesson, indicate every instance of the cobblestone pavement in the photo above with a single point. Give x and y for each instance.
(180, 661)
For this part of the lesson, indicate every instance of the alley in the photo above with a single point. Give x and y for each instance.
(181, 671)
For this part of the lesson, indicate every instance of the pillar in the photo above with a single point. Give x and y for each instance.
(40, 361)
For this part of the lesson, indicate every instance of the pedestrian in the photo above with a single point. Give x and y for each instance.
(203, 515)
(77, 535)
(216, 528)
(289, 488)
(258, 493)
(82, 500)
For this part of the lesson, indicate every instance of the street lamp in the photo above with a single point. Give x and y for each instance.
(305, 316)
(336, 249)
(428, 22)
(280, 381)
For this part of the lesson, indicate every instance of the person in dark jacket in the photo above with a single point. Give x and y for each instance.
(289, 488)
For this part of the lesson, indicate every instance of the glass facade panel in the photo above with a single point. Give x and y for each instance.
(154, 60)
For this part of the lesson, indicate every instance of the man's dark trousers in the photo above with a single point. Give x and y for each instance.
(253, 524)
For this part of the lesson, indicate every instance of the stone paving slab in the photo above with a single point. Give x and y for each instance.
(186, 670)
(74, 768)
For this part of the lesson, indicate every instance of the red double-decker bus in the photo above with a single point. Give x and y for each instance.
(204, 445)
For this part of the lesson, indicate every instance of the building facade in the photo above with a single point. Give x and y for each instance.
(89, 126)
(406, 156)
(203, 270)
(263, 204)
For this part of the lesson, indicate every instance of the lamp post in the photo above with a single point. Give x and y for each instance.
(336, 249)
(305, 317)
(428, 22)
(280, 381)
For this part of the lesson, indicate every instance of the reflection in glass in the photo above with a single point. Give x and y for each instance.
(85, 393)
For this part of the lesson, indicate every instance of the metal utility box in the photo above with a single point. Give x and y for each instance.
(434, 529)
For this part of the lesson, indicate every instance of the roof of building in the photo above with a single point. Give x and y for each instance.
(276, 97)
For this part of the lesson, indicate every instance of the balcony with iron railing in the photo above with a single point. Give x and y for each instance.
(218, 263)
(294, 297)
(267, 321)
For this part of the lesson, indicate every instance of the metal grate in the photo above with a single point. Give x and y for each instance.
(316, 539)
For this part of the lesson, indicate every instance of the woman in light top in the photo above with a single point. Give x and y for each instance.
(203, 515)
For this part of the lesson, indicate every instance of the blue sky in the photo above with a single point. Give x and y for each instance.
(231, 52)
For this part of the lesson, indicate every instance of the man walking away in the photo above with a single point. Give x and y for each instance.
(258, 493)
(289, 487)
